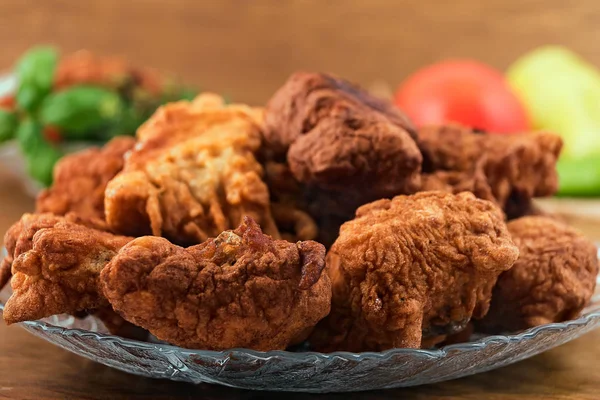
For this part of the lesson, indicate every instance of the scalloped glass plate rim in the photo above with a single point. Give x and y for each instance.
(308, 355)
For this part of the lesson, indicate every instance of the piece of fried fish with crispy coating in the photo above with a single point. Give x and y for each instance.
(19, 237)
(411, 269)
(338, 137)
(241, 289)
(518, 167)
(191, 175)
(55, 263)
(552, 281)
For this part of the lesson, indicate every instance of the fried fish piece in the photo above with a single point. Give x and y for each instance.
(81, 178)
(191, 176)
(19, 237)
(552, 281)
(241, 289)
(338, 137)
(411, 269)
(519, 166)
(55, 265)
(306, 97)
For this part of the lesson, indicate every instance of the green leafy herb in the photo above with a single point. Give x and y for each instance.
(8, 125)
(29, 135)
(35, 76)
(81, 111)
(127, 123)
(41, 165)
(39, 154)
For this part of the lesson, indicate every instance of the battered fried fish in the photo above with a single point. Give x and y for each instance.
(517, 167)
(191, 176)
(411, 269)
(337, 137)
(552, 281)
(19, 237)
(55, 264)
(242, 289)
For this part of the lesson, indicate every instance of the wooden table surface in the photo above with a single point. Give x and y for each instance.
(246, 50)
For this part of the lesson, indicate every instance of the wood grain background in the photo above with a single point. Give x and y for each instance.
(248, 48)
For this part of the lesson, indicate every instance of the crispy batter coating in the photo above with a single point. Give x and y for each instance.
(207, 101)
(242, 289)
(191, 176)
(338, 137)
(18, 240)
(351, 148)
(473, 181)
(19, 237)
(519, 166)
(552, 281)
(413, 268)
(81, 178)
(55, 266)
(306, 98)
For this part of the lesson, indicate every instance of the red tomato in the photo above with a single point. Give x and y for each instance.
(463, 91)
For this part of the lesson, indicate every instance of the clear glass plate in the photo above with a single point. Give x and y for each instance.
(306, 371)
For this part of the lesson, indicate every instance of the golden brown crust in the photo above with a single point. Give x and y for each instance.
(552, 281)
(19, 237)
(191, 176)
(81, 178)
(338, 137)
(55, 266)
(349, 149)
(18, 240)
(242, 289)
(413, 268)
(455, 182)
(519, 166)
(305, 98)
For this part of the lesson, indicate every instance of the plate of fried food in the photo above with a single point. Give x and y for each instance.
(319, 244)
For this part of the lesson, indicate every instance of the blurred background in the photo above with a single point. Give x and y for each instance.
(248, 48)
